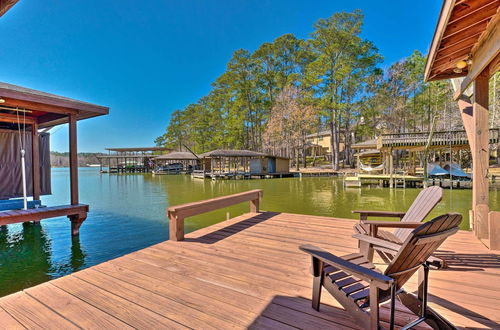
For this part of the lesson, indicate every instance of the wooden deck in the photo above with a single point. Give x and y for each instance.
(240, 273)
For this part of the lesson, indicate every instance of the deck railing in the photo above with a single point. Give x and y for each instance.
(178, 213)
(453, 138)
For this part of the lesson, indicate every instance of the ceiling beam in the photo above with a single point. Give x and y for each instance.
(10, 102)
(484, 53)
(13, 119)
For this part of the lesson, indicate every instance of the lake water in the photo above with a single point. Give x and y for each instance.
(128, 214)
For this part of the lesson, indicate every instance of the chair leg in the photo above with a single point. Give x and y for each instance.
(366, 249)
(418, 304)
(316, 294)
(319, 275)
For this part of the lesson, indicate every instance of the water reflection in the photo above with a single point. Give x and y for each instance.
(127, 213)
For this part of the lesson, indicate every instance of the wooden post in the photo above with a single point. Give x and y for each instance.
(35, 161)
(73, 160)
(176, 227)
(254, 205)
(391, 168)
(480, 156)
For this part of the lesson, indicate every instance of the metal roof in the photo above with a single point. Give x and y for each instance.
(178, 155)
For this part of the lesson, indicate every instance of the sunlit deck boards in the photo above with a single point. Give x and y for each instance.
(244, 272)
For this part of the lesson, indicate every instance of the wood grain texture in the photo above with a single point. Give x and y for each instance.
(247, 272)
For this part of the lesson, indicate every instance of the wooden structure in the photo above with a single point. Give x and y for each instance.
(177, 214)
(425, 202)
(44, 110)
(466, 49)
(5, 5)
(360, 288)
(381, 151)
(242, 164)
(130, 160)
(187, 160)
(246, 272)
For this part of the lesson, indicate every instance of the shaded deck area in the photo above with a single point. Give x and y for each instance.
(240, 273)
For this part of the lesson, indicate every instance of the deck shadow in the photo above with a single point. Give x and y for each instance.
(465, 312)
(232, 229)
(468, 261)
(295, 311)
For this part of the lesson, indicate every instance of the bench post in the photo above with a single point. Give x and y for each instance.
(254, 205)
(176, 227)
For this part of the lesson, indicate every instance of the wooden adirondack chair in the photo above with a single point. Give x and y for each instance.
(358, 286)
(426, 200)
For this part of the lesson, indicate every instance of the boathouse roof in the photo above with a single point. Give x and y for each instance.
(48, 109)
(178, 155)
(231, 153)
(368, 144)
(463, 30)
(139, 149)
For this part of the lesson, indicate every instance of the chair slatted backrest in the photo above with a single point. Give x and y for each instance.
(426, 200)
(422, 242)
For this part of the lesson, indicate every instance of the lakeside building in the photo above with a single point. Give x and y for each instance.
(319, 144)
(241, 164)
(130, 160)
(176, 162)
(25, 116)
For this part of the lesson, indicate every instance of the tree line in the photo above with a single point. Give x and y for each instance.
(270, 99)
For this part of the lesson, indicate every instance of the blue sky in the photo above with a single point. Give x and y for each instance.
(144, 59)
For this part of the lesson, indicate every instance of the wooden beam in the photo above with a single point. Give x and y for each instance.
(73, 159)
(480, 156)
(464, 22)
(5, 5)
(35, 161)
(438, 34)
(11, 102)
(485, 52)
(13, 119)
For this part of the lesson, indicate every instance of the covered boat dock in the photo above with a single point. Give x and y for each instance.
(130, 160)
(242, 164)
(34, 112)
(176, 162)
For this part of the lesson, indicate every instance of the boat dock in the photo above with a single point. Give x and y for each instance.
(245, 272)
(200, 174)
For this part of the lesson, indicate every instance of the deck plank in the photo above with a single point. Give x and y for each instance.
(246, 272)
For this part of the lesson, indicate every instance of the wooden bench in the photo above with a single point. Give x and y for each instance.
(75, 213)
(178, 213)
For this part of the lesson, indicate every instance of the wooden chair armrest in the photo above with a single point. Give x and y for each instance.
(386, 214)
(380, 280)
(378, 242)
(391, 224)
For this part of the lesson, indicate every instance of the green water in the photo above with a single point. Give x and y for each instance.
(128, 213)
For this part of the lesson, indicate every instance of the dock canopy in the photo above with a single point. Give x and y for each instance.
(48, 109)
(178, 155)
(368, 144)
(138, 149)
(465, 42)
(5, 5)
(231, 153)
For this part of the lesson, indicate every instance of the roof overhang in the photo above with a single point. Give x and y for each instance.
(467, 30)
(46, 109)
(5, 5)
